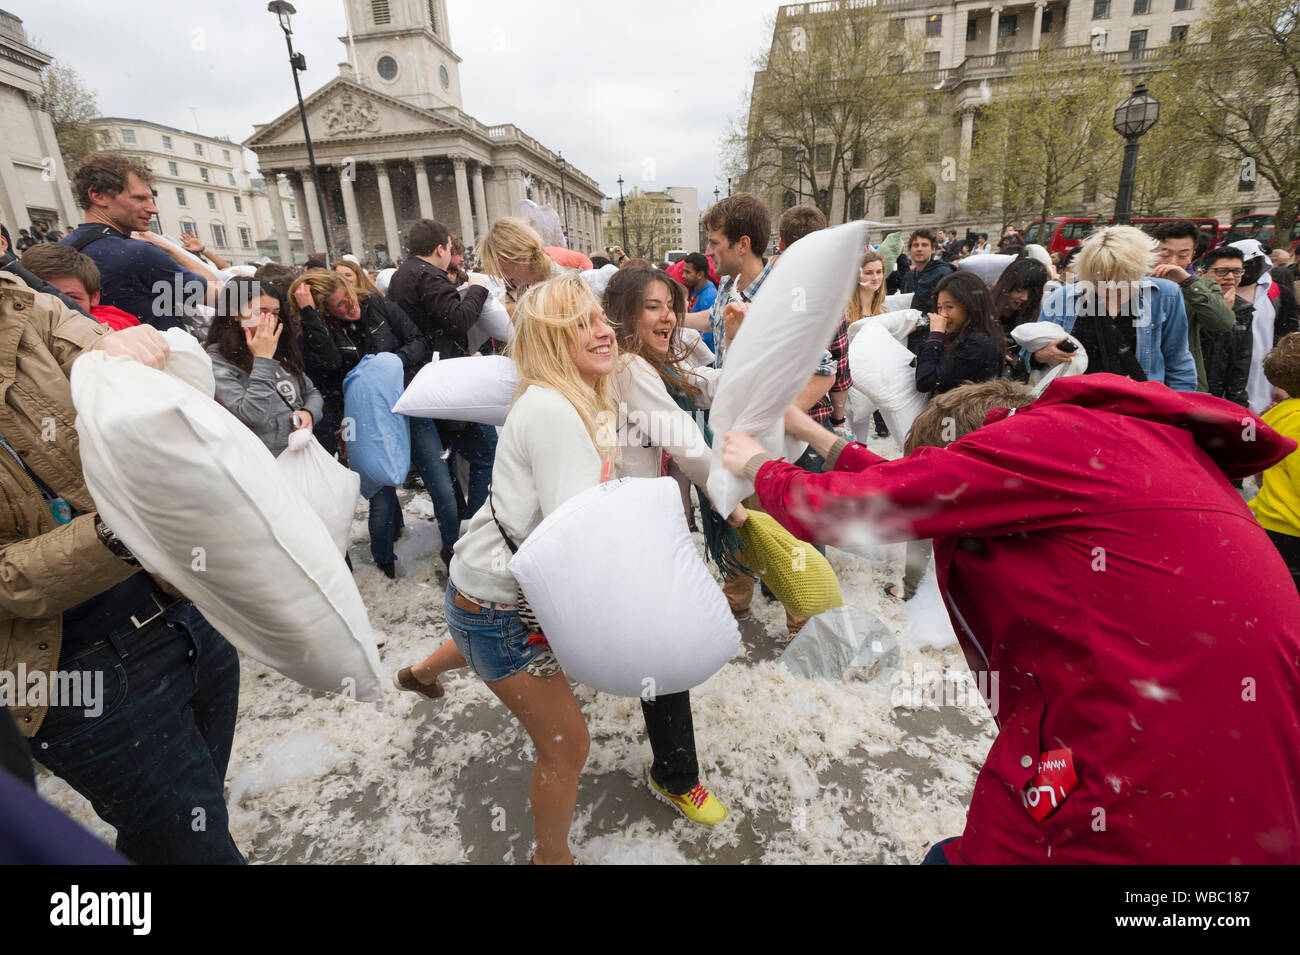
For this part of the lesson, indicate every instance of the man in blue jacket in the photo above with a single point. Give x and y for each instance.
(1128, 323)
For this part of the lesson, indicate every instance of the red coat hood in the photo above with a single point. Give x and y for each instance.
(1239, 442)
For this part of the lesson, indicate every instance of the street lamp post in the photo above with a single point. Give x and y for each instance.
(728, 187)
(717, 194)
(564, 198)
(298, 64)
(1134, 118)
(800, 155)
(622, 213)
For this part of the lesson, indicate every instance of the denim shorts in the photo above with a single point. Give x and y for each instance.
(495, 642)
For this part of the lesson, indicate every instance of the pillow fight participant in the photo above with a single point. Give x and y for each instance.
(1275, 316)
(1137, 476)
(149, 741)
(703, 293)
(422, 289)
(868, 301)
(1226, 355)
(357, 277)
(1017, 299)
(928, 268)
(134, 264)
(1277, 506)
(552, 447)
(965, 340)
(75, 275)
(512, 252)
(1207, 312)
(333, 346)
(258, 368)
(9, 263)
(1128, 323)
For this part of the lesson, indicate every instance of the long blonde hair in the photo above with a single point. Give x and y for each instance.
(548, 320)
(877, 297)
(360, 281)
(323, 283)
(514, 241)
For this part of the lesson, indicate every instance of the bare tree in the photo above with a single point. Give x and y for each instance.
(72, 108)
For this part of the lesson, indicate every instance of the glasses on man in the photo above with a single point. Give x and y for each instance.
(1226, 273)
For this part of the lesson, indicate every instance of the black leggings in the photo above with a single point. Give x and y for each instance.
(671, 730)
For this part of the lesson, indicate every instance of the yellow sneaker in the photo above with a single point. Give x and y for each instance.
(698, 805)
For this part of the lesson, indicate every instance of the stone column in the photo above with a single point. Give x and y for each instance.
(422, 188)
(307, 190)
(480, 201)
(963, 172)
(462, 201)
(1038, 24)
(350, 213)
(993, 29)
(69, 212)
(390, 213)
(282, 239)
(515, 191)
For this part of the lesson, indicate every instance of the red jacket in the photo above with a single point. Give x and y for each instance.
(114, 318)
(1094, 555)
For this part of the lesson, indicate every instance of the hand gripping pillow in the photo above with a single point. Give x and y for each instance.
(379, 442)
(882, 370)
(621, 593)
(789, 325)
(188, 361)
(198, 499)
(1032, 336)
(329, 487)
(477, 388)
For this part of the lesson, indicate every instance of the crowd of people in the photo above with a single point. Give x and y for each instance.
(1136, 458)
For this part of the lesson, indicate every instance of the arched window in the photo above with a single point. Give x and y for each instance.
(891, 200)
(788, 200)
(928, 193)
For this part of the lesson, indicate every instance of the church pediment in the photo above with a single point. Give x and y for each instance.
(343, 109)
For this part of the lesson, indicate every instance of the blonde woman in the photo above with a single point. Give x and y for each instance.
(357, 277)
(512, 251)
(1128, 323)
(550, 449)
(869, 298)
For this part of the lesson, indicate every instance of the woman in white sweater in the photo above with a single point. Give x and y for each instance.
(549, 450)
(657, 395)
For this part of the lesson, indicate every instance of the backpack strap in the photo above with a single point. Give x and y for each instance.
(92, 235)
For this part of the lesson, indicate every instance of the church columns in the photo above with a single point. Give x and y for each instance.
(515, 190)
(277, 217)
(390, 214)
(422, 188)
(480, 201)
(306, 188)
(350, 211)
(462, 201)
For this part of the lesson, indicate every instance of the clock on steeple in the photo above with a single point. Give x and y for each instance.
(403, 48)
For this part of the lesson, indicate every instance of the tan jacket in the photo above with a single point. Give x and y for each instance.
(45, 568)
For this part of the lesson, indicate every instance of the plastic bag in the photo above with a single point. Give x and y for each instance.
(839, 639)
(329, 487)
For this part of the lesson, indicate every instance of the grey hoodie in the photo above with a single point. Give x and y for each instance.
(259, 400)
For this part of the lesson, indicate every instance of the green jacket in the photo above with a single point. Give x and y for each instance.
(1206, 311)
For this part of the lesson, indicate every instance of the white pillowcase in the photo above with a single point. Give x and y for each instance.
(477, 388)
(330, 488)
(882, 370)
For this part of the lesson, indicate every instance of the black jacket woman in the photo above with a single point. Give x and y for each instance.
(966, 341)
(1017, 299)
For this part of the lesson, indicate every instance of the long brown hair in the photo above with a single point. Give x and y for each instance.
(877, 298)
(363, 287)
(624, 304)
(226, 335)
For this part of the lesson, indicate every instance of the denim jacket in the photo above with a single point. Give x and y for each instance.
(1161, 326)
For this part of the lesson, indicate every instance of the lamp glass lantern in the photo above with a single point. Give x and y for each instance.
(1136, 115)
(283, 10)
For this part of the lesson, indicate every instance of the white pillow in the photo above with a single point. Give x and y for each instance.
(198, 499)
(900, 323)
(477, 388)
(330, 488)
(1032, 336)
(882, 370)
(694, 352)
(898, 301)
(791, 321)
(621, 593)
(188, 361)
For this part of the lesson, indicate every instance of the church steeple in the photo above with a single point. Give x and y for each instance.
(403, 48)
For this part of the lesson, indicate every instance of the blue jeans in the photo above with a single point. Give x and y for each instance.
(495, 643)
(477, 444)
(153, 761)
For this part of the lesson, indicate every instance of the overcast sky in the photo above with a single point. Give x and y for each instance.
(619, 87)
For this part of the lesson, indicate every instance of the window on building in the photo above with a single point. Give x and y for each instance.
(105, 138)
(1182, 4)
(155, 226)
(895, 29)
(189, 228)
(198, 149)
(239, 204)
(212, 200)
(930, 146)
(1259, 119)
(971, 27)
(932, 60)
(1047, 21)
(934, 24)
(895, 64)
(824, 156)
(1177, 34)
(928, 193)
(1089, 191)
(1007, 26)
(231, 177)
(379, 10)
(245, 237)
(1137, 40)
(167, 142)
(1208, 177)
(858, 203)
(128, 136)
(180, 197)
(172, 169)
(203, 174)
(892, 195)
(1141, 7)
(1100, 9)
(225, 154)
(218, 235)
(293, 211)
